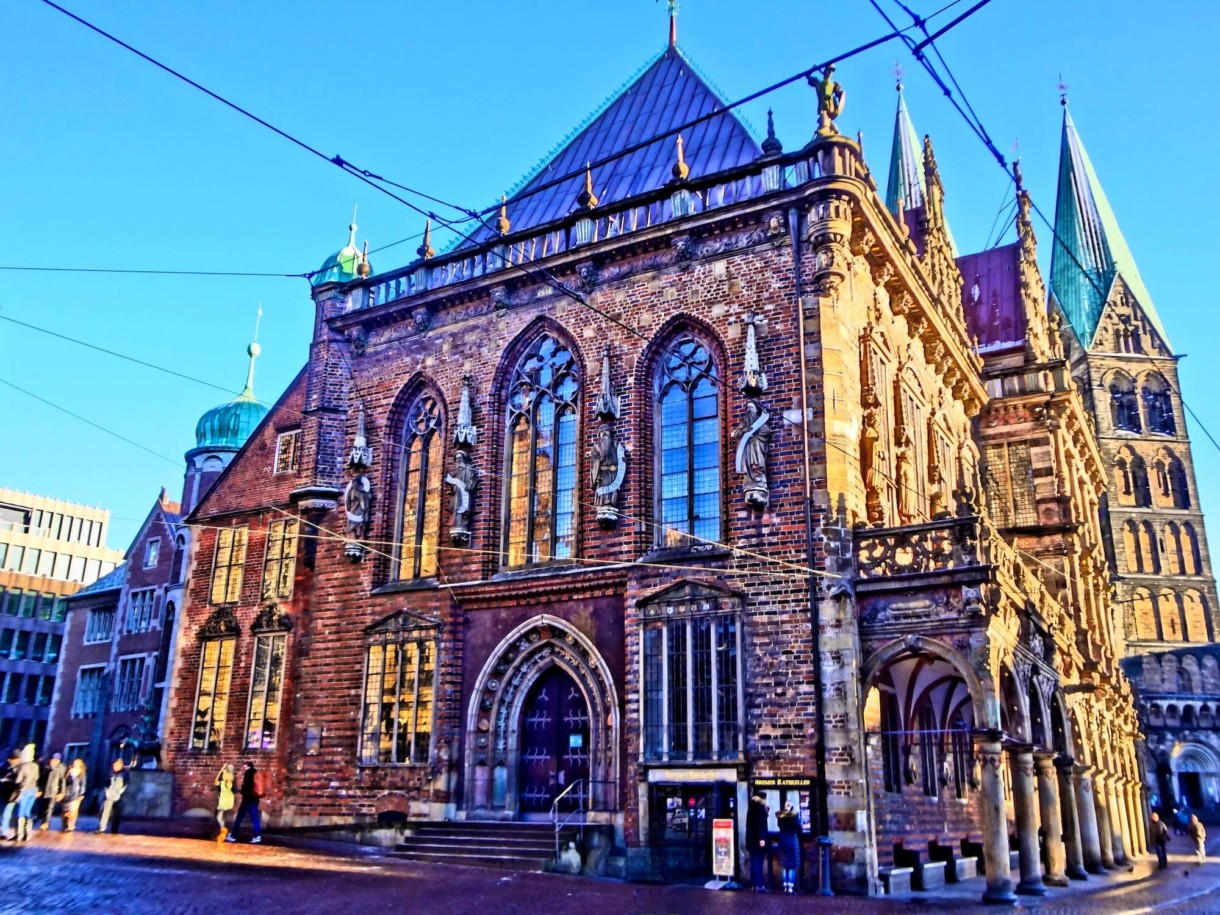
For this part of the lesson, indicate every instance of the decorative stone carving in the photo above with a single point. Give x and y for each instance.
(357, 499)
(271, 619)
(362, 455)
(465, 433)
(220, 623)
(608, 464)
(831, 97)
(753, 378)
(753, 449)
(872, 461)
(464, 479)
(830, 220)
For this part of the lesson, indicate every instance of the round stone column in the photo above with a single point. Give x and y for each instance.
(1105, 832)
(1052, 819)
(995, 823)
(1070, 817)
(1090, 830)
(1021, 761)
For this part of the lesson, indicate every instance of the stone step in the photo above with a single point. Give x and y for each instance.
(502, 862)
(472, 845)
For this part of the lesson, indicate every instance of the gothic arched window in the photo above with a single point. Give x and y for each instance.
(540, 458)
(420, 479)
(1141, 491)
(1178, 489)
(688, 444)
(1158, 406)
(1124, 405)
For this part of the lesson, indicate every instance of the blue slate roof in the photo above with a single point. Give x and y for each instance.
(111, 581)
(665, 95)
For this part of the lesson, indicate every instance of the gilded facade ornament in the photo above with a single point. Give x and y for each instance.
(831, 96)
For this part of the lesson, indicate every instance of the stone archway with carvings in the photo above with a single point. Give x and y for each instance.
(494, 736)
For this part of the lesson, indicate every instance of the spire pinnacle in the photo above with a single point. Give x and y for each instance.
(681, 170)
(351, 239)
(253, 351)
(1063, 91)
(673, 23)
(771, 144)
(586, 198)
(906, 179)
(503, 226)
(425, 249)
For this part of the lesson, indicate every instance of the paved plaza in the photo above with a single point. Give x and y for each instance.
(134, 874)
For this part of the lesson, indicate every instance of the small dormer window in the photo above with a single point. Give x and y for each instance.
(152, 553)
(287, 451)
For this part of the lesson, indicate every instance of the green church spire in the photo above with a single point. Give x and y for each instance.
(1089, 250)
(906, 182)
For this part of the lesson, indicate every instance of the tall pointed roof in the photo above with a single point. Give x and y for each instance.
(1089, 250)
(906, 182)
(666, 94)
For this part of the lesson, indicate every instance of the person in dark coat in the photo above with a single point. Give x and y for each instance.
(252, 788)
(756, 841)
(789, 846)
(53, 789)
(112, 805)
(1160, 838)
(8, 793)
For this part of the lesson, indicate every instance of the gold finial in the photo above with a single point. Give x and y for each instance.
(425, 249)
(681, 170)
(586, 198)
(503, 226)
(363, 269)
(830, 101)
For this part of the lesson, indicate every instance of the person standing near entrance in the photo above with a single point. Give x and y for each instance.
(1160, 838)
(252, 787)
(789, 846)
(27, 793)
(756, 841)
(112, 803)
(53, 790)
(1198, 835)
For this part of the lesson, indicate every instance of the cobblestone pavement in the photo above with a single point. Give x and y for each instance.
(134, 874)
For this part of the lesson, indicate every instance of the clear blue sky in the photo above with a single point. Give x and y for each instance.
(108, 162)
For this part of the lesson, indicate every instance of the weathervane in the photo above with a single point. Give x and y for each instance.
(1063, 91)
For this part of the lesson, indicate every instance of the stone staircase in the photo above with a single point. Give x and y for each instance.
(506, 845)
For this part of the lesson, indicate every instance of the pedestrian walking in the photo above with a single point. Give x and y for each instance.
(112, 804)
(1160, 839)
(253, 786)
(76, 783)
(789, 846)
(1182, 819)
(27, 793)
(1198, 835)
(53, 789)
(756, 841)
(225, 780)
(8, 793)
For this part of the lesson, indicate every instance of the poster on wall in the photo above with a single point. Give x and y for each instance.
(797, 791)
(723, 852)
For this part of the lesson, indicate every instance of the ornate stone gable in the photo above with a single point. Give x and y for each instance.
(688, 598)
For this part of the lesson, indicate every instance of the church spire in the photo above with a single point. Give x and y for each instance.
(1090, 250)
(253, 351)
(905, 188)
(673, 23)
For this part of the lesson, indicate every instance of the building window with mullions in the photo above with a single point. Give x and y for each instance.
(228, 565)
(280, 562)
(421, 481)
(688, 445)
(540, 460)
(263, 716)
(399, 681)
(692, 685)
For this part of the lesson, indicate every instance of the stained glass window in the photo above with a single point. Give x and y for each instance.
(423, 473)
(689, 445)
(541, 460)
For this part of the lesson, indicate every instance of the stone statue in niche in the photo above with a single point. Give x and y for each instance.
(357, 500)
(753, 448)
(464, 478)
(872, 462)
(908, 498)
(609, 467)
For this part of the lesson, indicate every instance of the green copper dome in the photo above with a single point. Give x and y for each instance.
(230, 424)
(345, 264)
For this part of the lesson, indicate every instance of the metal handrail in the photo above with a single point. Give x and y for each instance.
(578, 787)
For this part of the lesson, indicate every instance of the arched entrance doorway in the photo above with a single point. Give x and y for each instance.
(554, 727)
(1198, 775)
(542, 716)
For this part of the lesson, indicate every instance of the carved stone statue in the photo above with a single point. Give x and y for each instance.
(908, 498)
(871, 460)
(465, 482)
(609, 467)
(753, 448)
(357, 499)
(830, 101)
